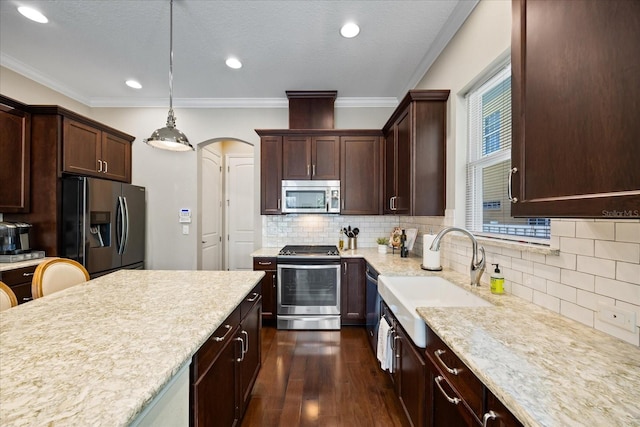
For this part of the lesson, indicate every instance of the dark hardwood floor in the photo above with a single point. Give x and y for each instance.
(321, 378)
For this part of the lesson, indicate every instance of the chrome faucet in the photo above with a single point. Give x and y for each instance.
(477, 264)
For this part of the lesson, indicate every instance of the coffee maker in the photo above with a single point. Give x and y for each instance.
(15, 238)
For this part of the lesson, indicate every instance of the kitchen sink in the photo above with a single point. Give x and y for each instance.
(404, 294)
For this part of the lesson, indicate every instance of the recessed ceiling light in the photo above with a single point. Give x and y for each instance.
(33, 14)
(134, 84)
(349, 30)
(233, 63)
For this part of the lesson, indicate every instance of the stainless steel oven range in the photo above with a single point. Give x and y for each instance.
(308, 287)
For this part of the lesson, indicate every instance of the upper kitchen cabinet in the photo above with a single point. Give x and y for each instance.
(270, 174)
(575, 89)
(415, 155)
(311, 157)
(88, 150)
(15, 146)
(360, 158)
(53, 131)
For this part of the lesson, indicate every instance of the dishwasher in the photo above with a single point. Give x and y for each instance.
(373, 306)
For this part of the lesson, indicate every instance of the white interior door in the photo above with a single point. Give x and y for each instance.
(211, 199)
(240, 215)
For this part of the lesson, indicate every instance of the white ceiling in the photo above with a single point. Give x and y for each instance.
(90, 47)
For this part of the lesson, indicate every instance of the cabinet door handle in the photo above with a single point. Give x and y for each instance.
(278, 204)
(274, 280)
(27, 274)
(308, 170)
(314, 171)
(395, 346)
(264, 263)
(224, 337)
(453, 400)
(241, 358)
(106, 166)
(488, 416)
(510, 183)
(343, 204)
(245, 349)
(25, 299)
(254, 296)
(99, 165)
(454, 371)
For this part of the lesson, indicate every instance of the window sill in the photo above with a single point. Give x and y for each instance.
(539, 248)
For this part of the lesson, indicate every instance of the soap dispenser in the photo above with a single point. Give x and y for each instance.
(497, 281)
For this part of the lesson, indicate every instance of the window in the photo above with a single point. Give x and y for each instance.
(489, 160)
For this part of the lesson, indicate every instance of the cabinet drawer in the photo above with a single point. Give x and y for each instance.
(250, 300)
(263, 264)
(18, 276)
(455, 371)
(216, 342)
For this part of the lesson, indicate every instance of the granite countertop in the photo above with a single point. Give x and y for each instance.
(99, 352)
(6, 266)
(547, 369)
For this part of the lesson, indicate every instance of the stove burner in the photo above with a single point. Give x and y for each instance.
(309, 250)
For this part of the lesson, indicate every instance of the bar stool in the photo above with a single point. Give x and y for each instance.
(55, 275)
(7, 297)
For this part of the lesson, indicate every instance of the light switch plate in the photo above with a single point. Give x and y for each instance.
(185, 229)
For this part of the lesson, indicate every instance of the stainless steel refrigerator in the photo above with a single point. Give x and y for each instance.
(103, 224)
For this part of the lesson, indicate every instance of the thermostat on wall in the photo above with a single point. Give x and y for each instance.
(185, 215)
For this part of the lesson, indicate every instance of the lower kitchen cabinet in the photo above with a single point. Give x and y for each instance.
(455, 396)
(353, 291)
(269, 283)
(19, 280)
(225, 368)
(409, 371)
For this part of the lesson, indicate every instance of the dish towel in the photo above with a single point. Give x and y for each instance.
(384, 345)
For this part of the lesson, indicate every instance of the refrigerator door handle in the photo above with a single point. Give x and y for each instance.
(121, 225)
(126, 225)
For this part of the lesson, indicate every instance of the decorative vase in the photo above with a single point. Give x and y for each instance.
(382, 249)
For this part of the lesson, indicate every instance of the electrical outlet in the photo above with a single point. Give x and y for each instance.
(616, 316)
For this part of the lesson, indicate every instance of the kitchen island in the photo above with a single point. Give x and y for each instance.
(98, 353)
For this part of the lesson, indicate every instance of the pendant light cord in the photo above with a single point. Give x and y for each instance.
(171, 56)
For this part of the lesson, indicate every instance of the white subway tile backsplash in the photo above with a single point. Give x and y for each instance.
(630, 307)
(590, 300)
(628, 231)
(577, 313)
(620, 251)
(522, 292)
(628, 272)
(547, 271)
(589, 229)
(535, 282)
(522, 265)
(513, 275)
(630, 337)
(577, 246)
(596, 266)
(562, 260)
(578, 280)
(564, 292)
(563, 228)
(547, 301)
(623, 291)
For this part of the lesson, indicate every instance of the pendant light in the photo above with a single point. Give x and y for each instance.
(168, 137)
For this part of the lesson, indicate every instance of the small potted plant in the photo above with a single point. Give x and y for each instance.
(382, 244)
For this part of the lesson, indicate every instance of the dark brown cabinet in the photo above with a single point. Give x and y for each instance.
(224, 369)
(415, 155)
(15, 166)
(352, 156)
(93, 152)
(54, 130)
(19, 280)
(455, 396)
(311, 157)
(270, 175)
(269, 283)
(352, 292)
(575, 89)
(360, 159)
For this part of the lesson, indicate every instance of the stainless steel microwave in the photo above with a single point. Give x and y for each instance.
(310, 196)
